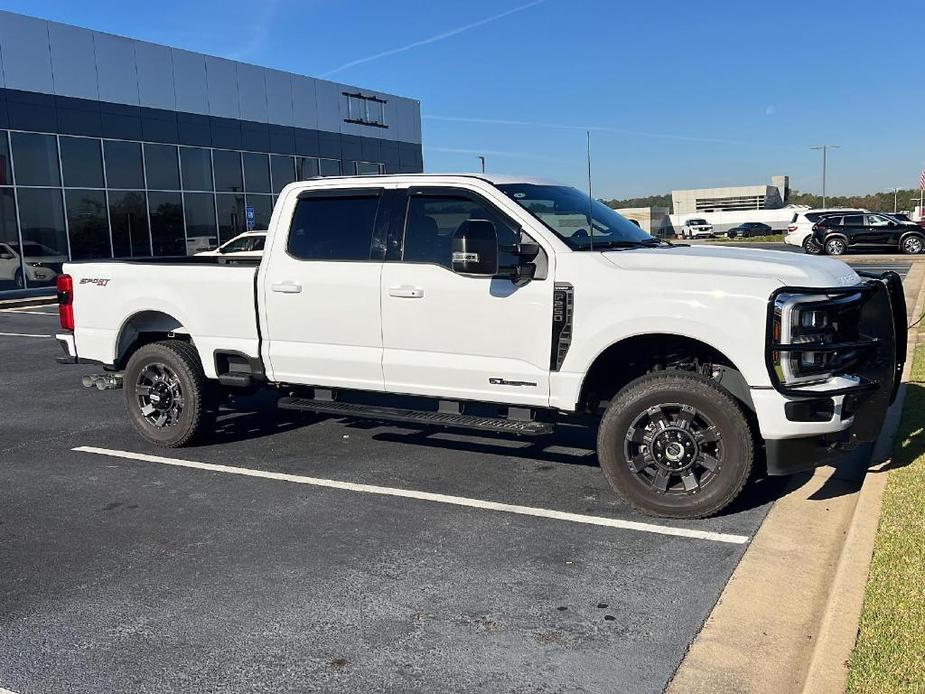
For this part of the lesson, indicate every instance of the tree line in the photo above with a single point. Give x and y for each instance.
(906, 199)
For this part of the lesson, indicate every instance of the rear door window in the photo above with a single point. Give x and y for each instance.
(854, 220)
(336, 228)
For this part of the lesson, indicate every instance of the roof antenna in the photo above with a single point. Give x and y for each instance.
(590, 196)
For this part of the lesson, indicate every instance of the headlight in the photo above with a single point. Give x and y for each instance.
(814, 321)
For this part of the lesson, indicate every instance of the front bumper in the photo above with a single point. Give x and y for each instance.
(859, 401)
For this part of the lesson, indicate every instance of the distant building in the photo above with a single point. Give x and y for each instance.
(756, 197)
(653, 220)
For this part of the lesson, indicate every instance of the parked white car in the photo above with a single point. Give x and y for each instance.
(799, 233)
(41, 263)
(496, 304)
(697, 229)
(247, 245)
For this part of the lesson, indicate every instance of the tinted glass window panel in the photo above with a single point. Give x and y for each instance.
(128, 219)
(81, 162)
(227, 171)
(41, 214)
(433, 221)
(329, 167)
(263, 209)
(6, 175)
(338, 228)
(230, 210)
(166, 210)
(87, 224)
(201, 234)
(282, 170)
(161, 167)
(123, 164)
(854, 220)
(365, 168)
(256, 173)
(35, 158)
(11, 271)
(305, 168)
(196, 167)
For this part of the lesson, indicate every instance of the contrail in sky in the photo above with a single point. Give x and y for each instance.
(435, 38)
(593, 128)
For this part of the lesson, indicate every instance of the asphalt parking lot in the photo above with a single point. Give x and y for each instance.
(290, 554)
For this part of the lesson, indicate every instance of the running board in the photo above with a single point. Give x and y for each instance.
(395, 414)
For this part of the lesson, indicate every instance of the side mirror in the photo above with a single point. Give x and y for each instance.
(475, 248)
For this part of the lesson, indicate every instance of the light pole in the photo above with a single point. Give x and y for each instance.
(482, 159)
(895, 189)
(825, 150)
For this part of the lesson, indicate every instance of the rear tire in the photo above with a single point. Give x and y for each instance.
(167, 393)
(836, 246)
(676, 445)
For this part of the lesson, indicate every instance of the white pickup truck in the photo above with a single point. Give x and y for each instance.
(509, 306)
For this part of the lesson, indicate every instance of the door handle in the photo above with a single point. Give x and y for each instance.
(406, 292)
(286, 287)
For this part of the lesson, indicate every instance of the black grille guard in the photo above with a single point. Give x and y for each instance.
(881, 351)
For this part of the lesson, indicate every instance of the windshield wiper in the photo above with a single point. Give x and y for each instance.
(598, 245)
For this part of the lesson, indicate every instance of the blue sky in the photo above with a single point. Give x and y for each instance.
(678, 94)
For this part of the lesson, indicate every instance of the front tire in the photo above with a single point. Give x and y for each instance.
(912, 245)
(811, 246)
(166, 393)
(675, 444)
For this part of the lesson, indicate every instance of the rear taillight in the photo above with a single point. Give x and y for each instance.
(792, 227)
(65, 285)
(817, 226)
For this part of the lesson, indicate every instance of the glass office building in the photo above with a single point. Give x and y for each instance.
(111, 147)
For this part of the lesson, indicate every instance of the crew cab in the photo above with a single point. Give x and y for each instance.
(510, 306)
(835, 234)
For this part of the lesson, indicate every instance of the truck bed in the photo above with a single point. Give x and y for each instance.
(207, 297)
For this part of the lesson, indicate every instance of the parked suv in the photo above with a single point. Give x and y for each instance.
(801, 226)
(697, 229)
(836, 234)
(749, 229)
(41, 263)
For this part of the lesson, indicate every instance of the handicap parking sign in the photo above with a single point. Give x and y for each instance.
(249, 217)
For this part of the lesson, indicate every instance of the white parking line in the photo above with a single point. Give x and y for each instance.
(6, 691)
(21, 335)
(427, 496)
(24, 312)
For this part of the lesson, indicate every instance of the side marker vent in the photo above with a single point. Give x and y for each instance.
(563, 309)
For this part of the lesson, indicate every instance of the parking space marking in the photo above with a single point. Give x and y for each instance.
(21, 335)
(24, 312)
(426, 496)
(6, 691)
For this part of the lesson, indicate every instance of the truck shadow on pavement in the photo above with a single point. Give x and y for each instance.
(257, 417)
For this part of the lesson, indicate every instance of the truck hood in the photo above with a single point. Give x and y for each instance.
(791, 269)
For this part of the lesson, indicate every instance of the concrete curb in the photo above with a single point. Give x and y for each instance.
(828, 668)
(802, 579)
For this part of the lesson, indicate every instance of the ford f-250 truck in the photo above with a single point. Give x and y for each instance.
(506, 305)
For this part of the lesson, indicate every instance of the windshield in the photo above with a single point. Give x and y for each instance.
(691, 222)
(244, 243)
(565, 211)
